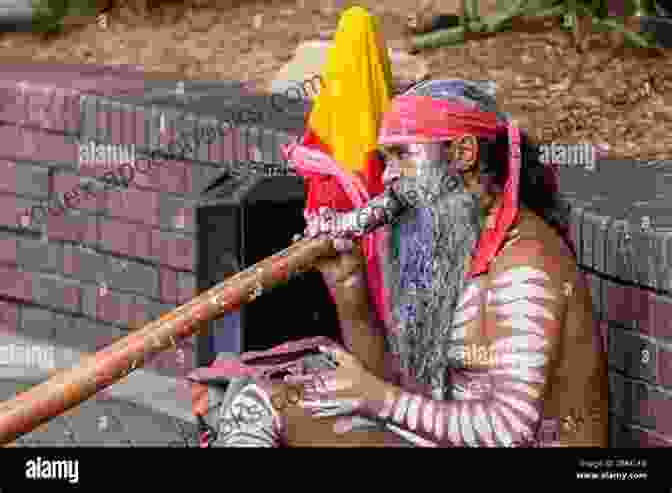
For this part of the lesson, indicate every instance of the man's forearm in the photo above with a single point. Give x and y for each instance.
(362, 333)
(486, 423)
(368, 345)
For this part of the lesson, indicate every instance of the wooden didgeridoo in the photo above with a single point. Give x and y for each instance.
(68, 388)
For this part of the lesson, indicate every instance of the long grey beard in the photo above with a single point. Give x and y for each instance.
(426, 276)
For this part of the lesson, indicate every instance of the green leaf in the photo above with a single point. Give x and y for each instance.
(471, 12)
(569, 21)
(535, 5)
(476, 27)
(49, 15)
(637, 40)
(454, 35)
(631, 38)
(497, 21)
(558, 10)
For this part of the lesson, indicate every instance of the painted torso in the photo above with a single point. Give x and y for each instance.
(505, 366)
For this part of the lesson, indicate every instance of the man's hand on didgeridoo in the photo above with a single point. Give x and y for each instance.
(344, 273)
(346, 269)
(350, 261)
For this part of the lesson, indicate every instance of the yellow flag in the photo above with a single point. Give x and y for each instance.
(355, 93)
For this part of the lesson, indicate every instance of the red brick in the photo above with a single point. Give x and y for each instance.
(665, 367)
(9, 215)
(7, 176)
(644, 439)
(164, 176)
(72, 265)
(134, 205)
(7, 330)
(168, 289)
(63, 184)
(16, 284)
(603, 329)
(8, 251)
(52, 109)
(114, 309)
(641, 406)
(646, 302)
(74, 227)
(226, 147)
(137, 316)
(128, 239)
(72, 297)
(171, 176)
(133, 127)
(662, 307)
(167, 134)
(9, 316)
(186, 294)
(98, 169)
(172, 250)
(185, 219)
(116, 134)
(49, 108)
(623, 304)
(71, 112)
(31, 106)
(28, 143)
(661, 409)
(102, 122)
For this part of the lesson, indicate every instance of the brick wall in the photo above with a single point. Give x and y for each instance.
(123, 256)
(631, 296)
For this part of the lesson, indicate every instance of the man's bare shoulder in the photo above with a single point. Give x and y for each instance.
(527, 252)
(540, 256)
(534, 244)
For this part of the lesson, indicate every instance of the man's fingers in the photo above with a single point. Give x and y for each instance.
(343, 245)
(339, 269)
(298, 379)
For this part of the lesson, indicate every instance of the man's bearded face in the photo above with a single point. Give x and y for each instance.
(436, 238)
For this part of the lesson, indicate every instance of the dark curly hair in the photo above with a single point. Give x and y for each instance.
(538, 186)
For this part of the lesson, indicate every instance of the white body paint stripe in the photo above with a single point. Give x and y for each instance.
(525, 308)
(520, 275)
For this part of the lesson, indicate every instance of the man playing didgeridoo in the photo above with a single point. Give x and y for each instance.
(493, 325)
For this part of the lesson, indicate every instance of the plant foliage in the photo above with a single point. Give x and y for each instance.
(568, 10)
(50, 15)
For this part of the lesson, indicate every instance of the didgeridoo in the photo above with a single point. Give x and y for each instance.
(68, 388)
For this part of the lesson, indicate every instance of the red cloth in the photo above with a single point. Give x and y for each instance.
(325, 191)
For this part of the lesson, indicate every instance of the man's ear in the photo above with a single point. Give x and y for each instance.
(465, 152)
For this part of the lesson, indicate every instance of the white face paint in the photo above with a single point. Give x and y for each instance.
(422, 170)
(413, 160)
